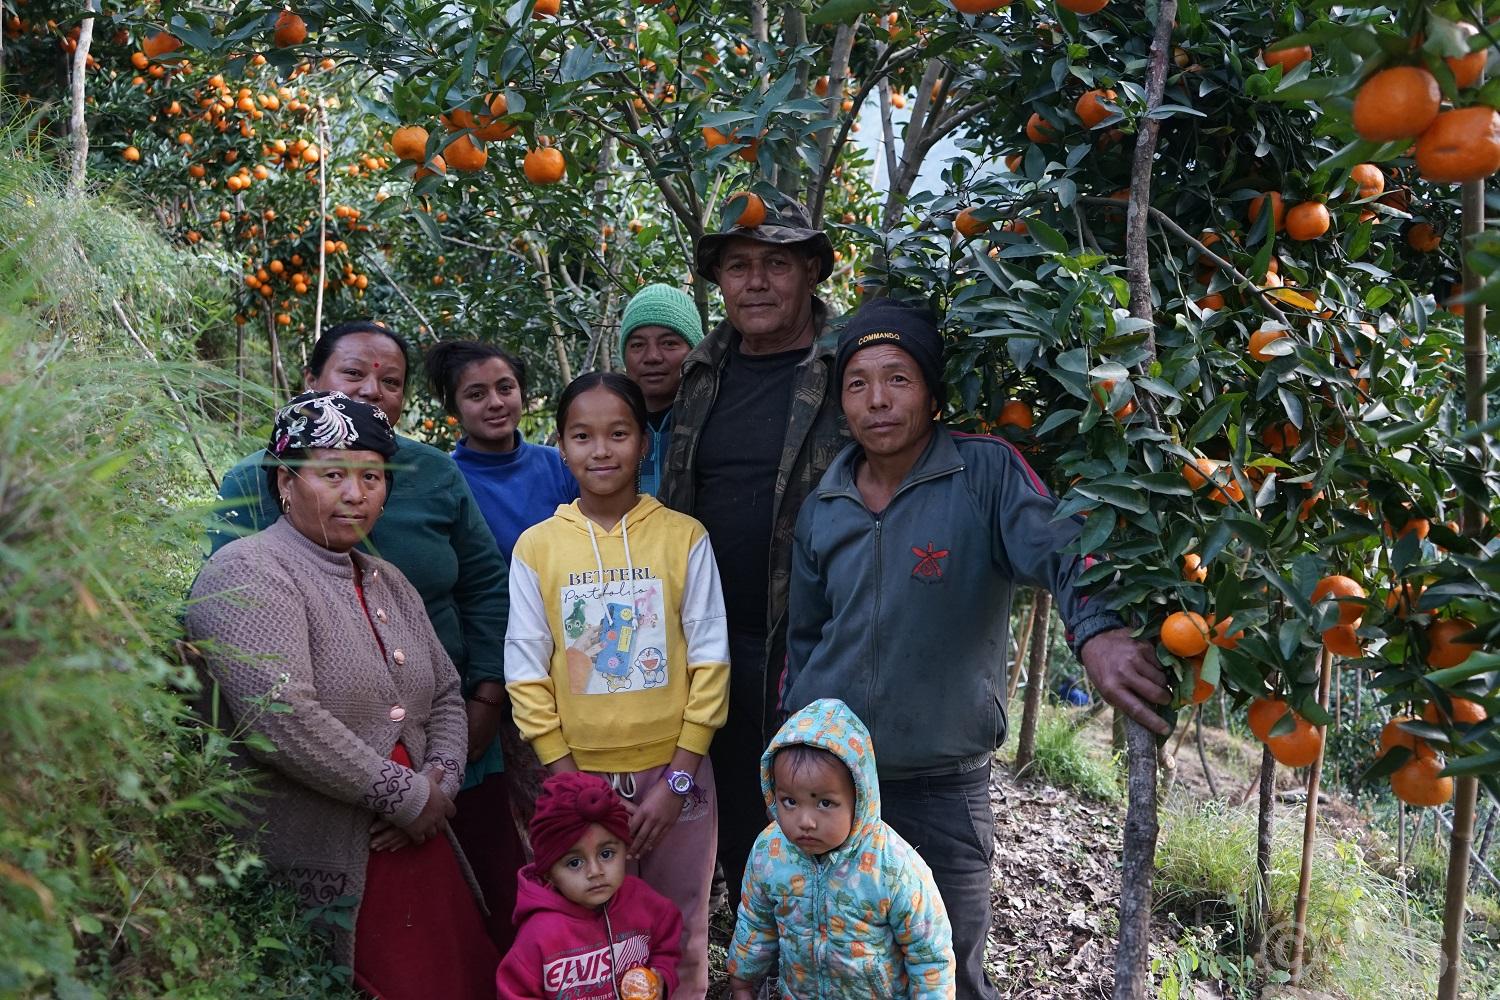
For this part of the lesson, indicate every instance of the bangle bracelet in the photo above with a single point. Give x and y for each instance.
(492, 702)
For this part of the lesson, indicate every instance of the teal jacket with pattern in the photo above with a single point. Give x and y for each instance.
(864, 920)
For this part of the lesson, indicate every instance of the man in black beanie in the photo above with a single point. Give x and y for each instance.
(903, 562)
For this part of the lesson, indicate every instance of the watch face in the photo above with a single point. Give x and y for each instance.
(681, 782)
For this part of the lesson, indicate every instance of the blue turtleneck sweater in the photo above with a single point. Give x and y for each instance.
(517, 488)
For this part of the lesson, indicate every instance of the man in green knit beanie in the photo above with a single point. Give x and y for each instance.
(660, 326)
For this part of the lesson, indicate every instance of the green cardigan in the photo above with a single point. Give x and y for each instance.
(433, 532)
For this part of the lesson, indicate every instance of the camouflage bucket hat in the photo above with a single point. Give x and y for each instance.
(786, 223)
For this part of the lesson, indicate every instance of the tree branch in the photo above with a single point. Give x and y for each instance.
(78, 129)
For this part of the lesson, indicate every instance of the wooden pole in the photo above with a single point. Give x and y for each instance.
(322, 217)
(1466, 787)
(1310, 826)
(1264, 828)
(1021, 647)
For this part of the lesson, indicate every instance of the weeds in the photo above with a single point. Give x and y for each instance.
(1063, 759)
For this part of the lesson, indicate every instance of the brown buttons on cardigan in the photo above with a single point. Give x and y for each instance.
(380, 614)
(399, 657)
(397, 713)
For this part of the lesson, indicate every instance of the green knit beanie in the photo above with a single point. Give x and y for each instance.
(662, 305)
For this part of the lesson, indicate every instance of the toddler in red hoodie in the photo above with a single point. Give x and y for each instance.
(582, 923)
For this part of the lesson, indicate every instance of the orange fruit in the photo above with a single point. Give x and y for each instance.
(546, 8)
(640, 983)
(1443, 647)
(1298, 748)
(1460, 145)
(1213, 300)
(1466, 69)
(1185, 633)
(1015, 414)
(755, 210)
(1465, 712)
(1281, 437)
(1102, 394)
(434, 166)
(1220, 634)
(1260, 339)
(1287, 58)
(1089, 108)
(1345, 590)
(490, 127)
(967, 225)
(1202, 690)
(1396, 103)
(131, 154)
(713, 138)
(1263, 715)
(409, 142)
(464, 154)
(1423, 238)
(1369, 178)
(1342, 640)
(160, 44)
(1417, 782)
(544, 165)
(1039, 129)
(1201, 470)
(977, 6)
(1392, 736)
(1083, 6)
(1193, 568)
(290, 30)
(1307, 221)
(1278, 209)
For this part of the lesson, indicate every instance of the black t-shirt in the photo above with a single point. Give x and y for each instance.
(739, 451)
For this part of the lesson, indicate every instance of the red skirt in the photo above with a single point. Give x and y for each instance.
(420, 933)
(487, 834)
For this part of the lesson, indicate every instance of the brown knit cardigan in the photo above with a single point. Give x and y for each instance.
(279, 623)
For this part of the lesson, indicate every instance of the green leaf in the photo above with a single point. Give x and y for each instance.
(841, 11)
(1047, 236)
(1213, 418)
(1484, 763)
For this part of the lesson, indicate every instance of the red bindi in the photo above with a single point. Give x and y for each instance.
(376, 364)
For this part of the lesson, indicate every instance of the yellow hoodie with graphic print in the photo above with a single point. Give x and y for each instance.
(617, 649)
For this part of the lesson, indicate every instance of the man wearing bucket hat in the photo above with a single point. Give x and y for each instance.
(755, 424)
(659, 327)
(902, 572)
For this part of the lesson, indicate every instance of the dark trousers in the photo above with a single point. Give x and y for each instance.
(487, 833)
(736, 754)
(949, 821)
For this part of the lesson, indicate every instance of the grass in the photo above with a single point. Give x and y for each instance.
(120, 873)
(1355, 938)
(1062, 758)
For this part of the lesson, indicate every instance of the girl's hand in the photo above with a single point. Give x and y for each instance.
(652, 819)
(562, 765)
(386, 836)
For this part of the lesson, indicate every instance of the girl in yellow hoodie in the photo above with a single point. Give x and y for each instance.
(617, 653)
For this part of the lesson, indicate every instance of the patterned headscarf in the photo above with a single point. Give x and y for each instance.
(326, 418)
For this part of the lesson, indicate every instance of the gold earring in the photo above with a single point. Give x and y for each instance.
(286, 505)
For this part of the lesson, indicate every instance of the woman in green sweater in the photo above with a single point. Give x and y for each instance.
(433, 531)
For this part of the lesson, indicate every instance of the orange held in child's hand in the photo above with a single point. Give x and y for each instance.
(640, 983)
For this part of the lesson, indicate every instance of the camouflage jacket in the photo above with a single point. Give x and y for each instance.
(815, 433)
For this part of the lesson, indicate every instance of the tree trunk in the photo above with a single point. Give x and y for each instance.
(322, 218)
(1036, 681)
(1484, 839)
(1466, 788)
(1264, 829)
(1310, 826)
(607, 326)
(1021, 647)
(1132, 976)
(78, 129)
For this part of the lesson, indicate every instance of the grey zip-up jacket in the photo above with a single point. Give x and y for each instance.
(905, 616)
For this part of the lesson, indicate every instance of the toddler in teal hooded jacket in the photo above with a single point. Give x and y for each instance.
(832, 895)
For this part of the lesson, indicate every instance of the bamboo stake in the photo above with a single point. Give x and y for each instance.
(1021, 647)
(1310, 825)
(1401, 862)
(1466, 787)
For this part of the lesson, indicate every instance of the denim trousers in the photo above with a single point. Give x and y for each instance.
(948, 819)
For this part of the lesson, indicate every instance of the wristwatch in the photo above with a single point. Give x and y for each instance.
(682, 783)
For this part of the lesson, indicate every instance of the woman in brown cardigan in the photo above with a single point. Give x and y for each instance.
(328, 654)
